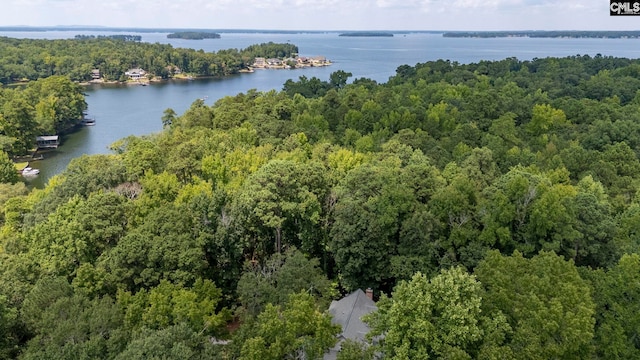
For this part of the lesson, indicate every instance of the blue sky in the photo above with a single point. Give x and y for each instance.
(320, 14)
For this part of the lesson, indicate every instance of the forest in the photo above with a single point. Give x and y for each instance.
(48, 106)
(32, 59)
(492, 207)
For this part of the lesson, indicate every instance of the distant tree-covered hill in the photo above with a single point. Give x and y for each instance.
(193, 35)
(367, 34)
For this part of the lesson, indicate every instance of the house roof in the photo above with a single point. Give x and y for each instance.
(135, 71)
(47, 138)
(348, 312)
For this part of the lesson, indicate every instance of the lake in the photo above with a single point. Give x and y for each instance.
(123, 110)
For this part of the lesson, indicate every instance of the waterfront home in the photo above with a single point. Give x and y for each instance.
(259, 62)
(318, 61)
(95, 74)
(274, 62)
(135, 74)
(48, 141)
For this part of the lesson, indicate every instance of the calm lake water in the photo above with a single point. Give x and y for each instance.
(121, 111)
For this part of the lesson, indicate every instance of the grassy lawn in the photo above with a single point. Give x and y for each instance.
(21, 165)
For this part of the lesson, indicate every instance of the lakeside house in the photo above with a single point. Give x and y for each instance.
(95, 74)
(260, 62)
(135, 74)
(319, 61)
(274, 62)
(48, 141)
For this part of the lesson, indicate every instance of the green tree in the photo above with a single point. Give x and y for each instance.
(545, 118)
(77, 328)
(354, 350)
(436, 318)
(510, 199)
(596, 227)
(8, 335)
(455, 205)
(59, 103)
(168, 304)
(82, 176)
(296, 329)
(165, 246)
(198, 115)
(546, 303)
(177, 342)
(338, 79)
(279, 276)
(284, 199)
(168, 117)
(370, 206)
(616, 292)
(10, 193)
(17, 122)
(8, 173)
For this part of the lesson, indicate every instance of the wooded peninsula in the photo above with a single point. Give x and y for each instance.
(492, 208)
(110, 58)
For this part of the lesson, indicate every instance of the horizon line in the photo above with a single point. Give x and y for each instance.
(169, 29)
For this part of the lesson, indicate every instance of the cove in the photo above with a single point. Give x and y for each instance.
(124, 110)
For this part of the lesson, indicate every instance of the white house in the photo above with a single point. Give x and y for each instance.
(135, 74)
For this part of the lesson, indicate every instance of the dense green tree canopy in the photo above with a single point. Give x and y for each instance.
(495, 202)
(47, 106)
(437, 318)
(547, 305)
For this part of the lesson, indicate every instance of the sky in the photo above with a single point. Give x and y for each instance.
(320, 14)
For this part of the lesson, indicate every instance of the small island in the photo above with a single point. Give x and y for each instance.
(193, 35)
(367, 34)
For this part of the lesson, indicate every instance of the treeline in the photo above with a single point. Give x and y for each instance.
(193, 35)
(44, 107)
(495, 203)
(367, 34)
(607, 34)
(31, 59)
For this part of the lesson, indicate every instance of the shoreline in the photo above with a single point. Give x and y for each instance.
(249, 70)
(142, 82)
